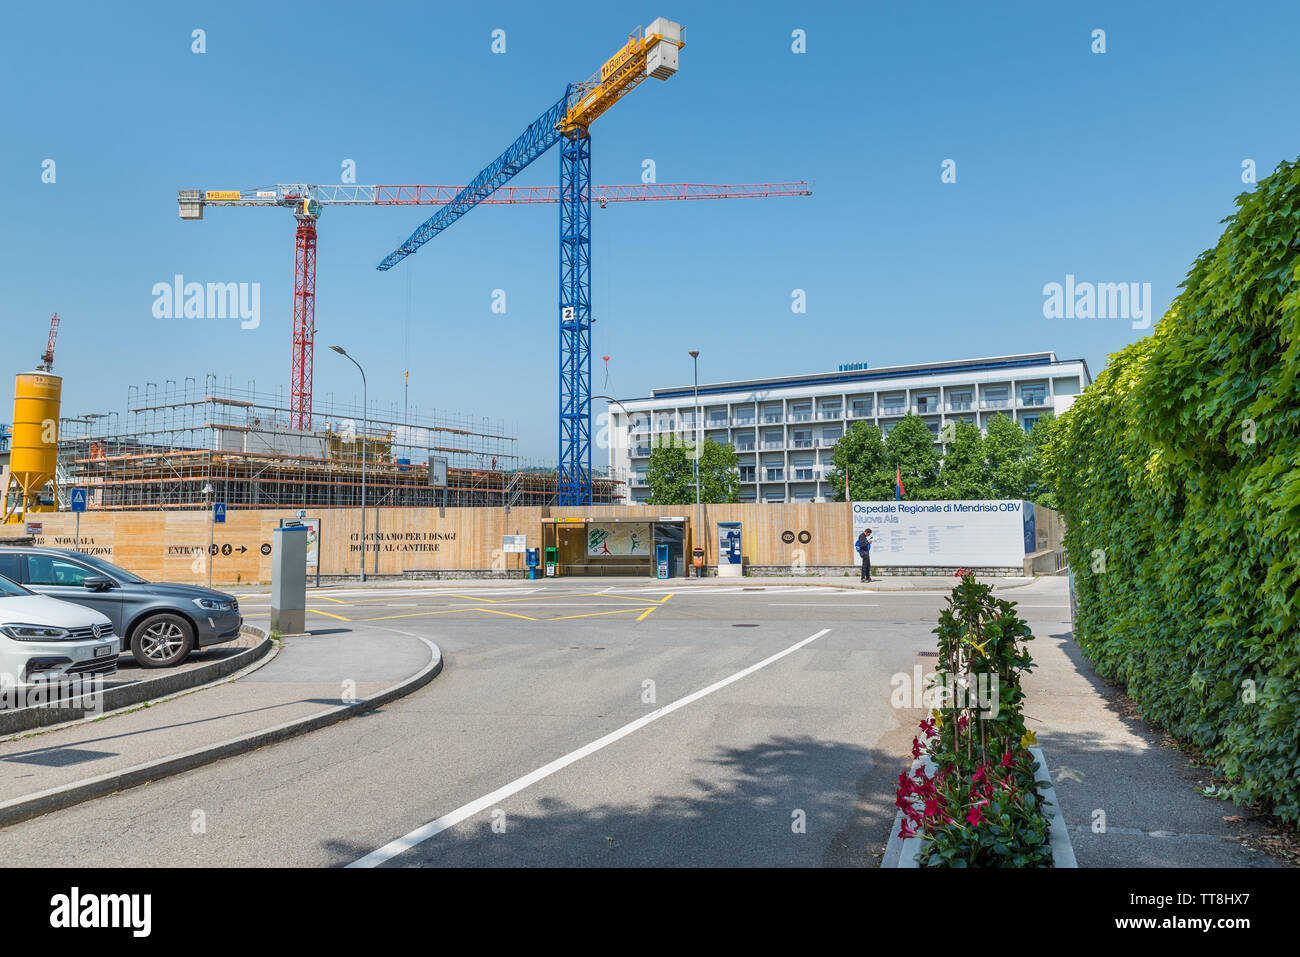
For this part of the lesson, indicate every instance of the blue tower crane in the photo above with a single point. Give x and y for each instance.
(649, 53)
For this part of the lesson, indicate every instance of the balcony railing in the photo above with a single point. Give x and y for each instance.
(773, 444)
(995, 403)
(641, 451)
(773, 418)
(801, 416)
(830, 414)
(961, 405)
(893, 410)
(801, 443)
(1033, 401)
(859, 413)
(775, 475)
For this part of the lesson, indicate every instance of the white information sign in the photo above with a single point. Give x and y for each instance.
(514, 543)
(944, 533)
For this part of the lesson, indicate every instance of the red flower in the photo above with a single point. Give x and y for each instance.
(906, 830)
(1006, 759)
(961, 573)
(962, 723)
(974, 816)
(931, 807)
(916, 748)
(979, 775)
(927, 728)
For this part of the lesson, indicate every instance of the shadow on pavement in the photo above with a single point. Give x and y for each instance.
(741, 815)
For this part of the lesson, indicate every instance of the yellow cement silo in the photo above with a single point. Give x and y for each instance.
(34, 446)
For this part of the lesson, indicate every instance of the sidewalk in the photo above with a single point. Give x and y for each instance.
(302, 687)
(1103, 761)
(937, 583)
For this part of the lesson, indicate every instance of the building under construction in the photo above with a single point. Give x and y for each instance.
(188, 444)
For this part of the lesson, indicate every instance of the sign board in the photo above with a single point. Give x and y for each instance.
(514, 543)
(437, 472)
(313, 541)
(221, 195)
(620, 539)
(219, 513)
(34, 528)
(944, 533)
(78, 499)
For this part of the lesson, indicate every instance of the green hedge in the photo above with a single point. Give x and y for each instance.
(1178, 474)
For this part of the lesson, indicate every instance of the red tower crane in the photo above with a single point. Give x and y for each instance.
(47, 357)
(307, 203)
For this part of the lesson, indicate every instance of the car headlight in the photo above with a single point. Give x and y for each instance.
(21, 632)
(214, 604)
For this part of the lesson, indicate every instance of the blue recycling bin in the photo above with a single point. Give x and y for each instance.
(532, 558)
(662, 565)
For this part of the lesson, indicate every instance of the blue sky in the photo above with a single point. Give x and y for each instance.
(1113, 167)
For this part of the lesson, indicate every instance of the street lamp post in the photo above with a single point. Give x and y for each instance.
(699, 522)
(365, 427)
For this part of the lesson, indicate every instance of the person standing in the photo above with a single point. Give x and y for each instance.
(864, 549)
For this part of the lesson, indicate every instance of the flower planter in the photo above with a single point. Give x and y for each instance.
(901, 852)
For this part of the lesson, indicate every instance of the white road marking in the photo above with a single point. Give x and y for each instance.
(819, 604)
(422, 834)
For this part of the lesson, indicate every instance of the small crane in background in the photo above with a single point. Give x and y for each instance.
(47, 357)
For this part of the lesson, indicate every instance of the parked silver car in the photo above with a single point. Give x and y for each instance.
(43, 640)
(161, 623)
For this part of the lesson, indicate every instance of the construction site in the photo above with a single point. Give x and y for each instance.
(195, 444)
(188, 444)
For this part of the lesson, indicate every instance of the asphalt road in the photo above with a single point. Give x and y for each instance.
(520, 753)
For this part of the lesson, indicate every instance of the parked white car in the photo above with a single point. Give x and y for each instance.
(43, 639)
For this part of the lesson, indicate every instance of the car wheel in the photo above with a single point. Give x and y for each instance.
(162, 640)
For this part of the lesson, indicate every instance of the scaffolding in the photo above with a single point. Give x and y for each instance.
(184, 445)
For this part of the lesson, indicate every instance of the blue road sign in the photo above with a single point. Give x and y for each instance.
(78, 499)
(219, 513)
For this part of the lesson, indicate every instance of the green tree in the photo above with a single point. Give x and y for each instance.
(861, 455)
(1039, 487)
(671, 474)
(910, 448)
(1005, 449)
(964, 473)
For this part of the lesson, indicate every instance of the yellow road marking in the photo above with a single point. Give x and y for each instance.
(507, 601)
(645, 614)
(658, 601)
(616, 611)
(328, 598)
(493, 611)
(328, 614)
(417, 614)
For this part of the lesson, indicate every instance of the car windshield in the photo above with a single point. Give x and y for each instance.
(10, 589)
(121, 574)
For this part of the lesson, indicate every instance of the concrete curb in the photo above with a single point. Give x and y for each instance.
(901, 852)
(53, 799)
(146, 689)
